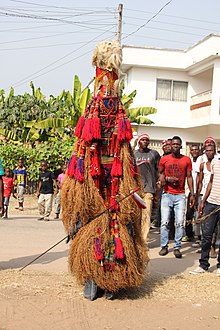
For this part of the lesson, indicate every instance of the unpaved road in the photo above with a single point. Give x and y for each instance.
(45, 295)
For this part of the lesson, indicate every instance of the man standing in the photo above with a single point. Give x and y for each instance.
(174, 169)
(20, 179)
(190, 212)
(147, 161)
(211, 205)
(45, 191)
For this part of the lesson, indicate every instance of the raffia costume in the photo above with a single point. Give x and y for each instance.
(108, 249)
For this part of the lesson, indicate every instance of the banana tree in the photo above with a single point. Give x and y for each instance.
(27, 118)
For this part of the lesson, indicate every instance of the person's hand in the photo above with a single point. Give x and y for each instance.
(192, 201)
(172, 179)
(200, 208)
(14, 196)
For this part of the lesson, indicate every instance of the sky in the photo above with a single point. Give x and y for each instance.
(50, 41)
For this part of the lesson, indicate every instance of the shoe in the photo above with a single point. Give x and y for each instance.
(41, 218)
(163, 251)
(90, 290)
(56, 216)
(187, 239)
(198, 270)
(46, 219)
(109, 295)
(199, 250)
(21, 208)
(177, 253)
(196, 244)
(217, 272)
(17, 207)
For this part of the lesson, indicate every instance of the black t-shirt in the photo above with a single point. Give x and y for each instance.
(46, 179)
(147, 162)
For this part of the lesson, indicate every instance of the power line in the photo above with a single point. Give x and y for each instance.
(43, 46)
(45, 37)
(173, 16)
(150, 19)
(167, 30)
(22, 81)
(169, 23)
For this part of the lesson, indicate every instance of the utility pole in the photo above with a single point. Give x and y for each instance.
(120, 8)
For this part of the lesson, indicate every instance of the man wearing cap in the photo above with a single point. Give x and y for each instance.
(147, 161)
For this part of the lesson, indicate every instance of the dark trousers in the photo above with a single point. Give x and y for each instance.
(189, 217)
(208, 228)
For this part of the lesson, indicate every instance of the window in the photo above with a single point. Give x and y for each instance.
(171, 90)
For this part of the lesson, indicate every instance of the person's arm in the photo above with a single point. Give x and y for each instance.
(1, 197)
(26, 179)
(55, 185)
(200, 177)
(13, 189)
(190, 185)
(207, 193)
(161, 172)
(15, 178)
(39, 187)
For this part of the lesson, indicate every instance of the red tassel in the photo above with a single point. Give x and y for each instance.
(95, 166)
(128, 131)
(119, 253)
(79, 171)
(71, 166)
(113, 205)
(96, 128)
(121, 130)
(87, 130)
(79, 126)
(116, 167)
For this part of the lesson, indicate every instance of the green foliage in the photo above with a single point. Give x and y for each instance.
(139, 115)
(54, 152)
(29, 118)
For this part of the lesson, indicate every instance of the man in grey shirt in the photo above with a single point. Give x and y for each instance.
(147, 161)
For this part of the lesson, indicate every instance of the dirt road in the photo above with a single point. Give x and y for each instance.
(45, 295)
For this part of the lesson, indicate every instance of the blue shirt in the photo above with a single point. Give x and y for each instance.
(21, 174)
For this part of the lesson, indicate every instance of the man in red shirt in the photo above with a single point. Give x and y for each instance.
(174, 169)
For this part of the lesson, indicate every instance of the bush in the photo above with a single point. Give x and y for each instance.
(54, 152)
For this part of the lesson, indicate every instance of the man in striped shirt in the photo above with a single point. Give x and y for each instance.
(210, 203)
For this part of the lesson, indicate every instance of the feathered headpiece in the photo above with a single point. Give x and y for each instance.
(108, 55)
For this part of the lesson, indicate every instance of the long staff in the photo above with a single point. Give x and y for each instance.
(68, 237)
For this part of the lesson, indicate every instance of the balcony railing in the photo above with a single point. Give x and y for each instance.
(201, 100)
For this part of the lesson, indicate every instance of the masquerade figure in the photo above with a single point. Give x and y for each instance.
(106, 251)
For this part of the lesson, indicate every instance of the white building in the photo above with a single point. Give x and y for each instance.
(183, 85)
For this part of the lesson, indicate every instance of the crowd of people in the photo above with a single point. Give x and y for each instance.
(164, 181)
(107, 230)
(195, 214)
(15, 184)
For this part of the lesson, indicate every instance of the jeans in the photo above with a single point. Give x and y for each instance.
(208, 227)
(177, 202)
